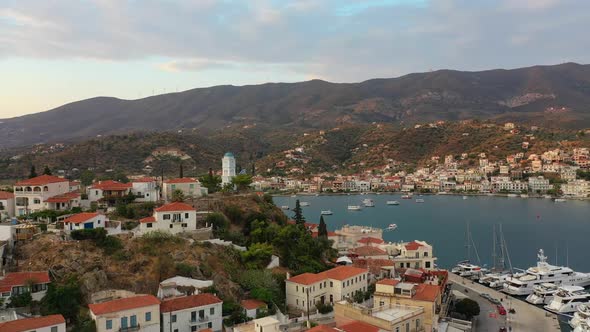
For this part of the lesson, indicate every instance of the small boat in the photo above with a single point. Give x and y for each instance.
(354, 207)
(304, 203)
(512, 195)
(559, 200)
(316, 195)
(464, 197)
(326, 213)
(406, 196)
(368, 202)
(391, 227)
(524, 196)
(293, 195)
(392, 203)
(419, 200)
(285, 207)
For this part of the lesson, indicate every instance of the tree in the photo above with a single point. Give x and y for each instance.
(211, 182)
(181, 173)
(242, 181)
(86, 177)
(33, 172)
(257, 256)
(467, 307)
(47, 170)
(177, 196)
(63, 299)
(298, 211)
(218, 221)
(322, 228)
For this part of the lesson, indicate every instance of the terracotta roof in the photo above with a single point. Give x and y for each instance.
(426, 292)
(176, 206)
(337, 273)
(330, 234)
(6, 195)
(147, 219)
(28, 324)
(413, 245)
(144, 179)
(181, 180)
(187, 302)
(63, 198)
(369, 240)
(21, 278)
(41, 180)
(206, 330)
(81, 217)
(123, 304)
(251, 304)
(369, 251)
(307, 225)
(74, 183)
(388, 282)
(357, 326)
(322, 328)
(111, 185)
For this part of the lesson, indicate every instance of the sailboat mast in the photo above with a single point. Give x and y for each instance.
(505, 248)
(502, 249)
(494, 258)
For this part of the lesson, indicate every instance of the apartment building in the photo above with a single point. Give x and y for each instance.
(192, 313)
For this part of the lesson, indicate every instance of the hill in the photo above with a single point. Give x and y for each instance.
(552, 96)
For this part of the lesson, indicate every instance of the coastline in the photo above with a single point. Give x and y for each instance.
(356, 193)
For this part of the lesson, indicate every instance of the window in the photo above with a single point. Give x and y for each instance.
(426, 254)
(173, 318)
(37, 201)
(173, 186)
(99, 221)
(192, 186)
(149, 225)
(297, 288)
(212, 311)
(201, 314)
(427, 265)
(210, 325)
(185, 225)
(54, 329)
(170, 225)
(186, 215)
(166, 217)
(124, 323)
(331, 284)
(96, 192)
(297, 301)
(175, 330)
(148, 316)
(133, 321)
(193, 316)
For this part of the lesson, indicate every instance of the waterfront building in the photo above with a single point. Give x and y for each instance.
(576, 188)
(171, 218)
(135, 313)
(415, 254)
(192, 313)
(30, 195)
(228, 168)
(342, 282)
(539, 184)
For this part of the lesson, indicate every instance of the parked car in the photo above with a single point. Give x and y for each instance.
(501, 310)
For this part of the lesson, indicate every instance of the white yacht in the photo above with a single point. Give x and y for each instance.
(542, 273)
(326, 213)
(391, 227)
(512, 195)
(559, 200)
(354, 207)
(419, 200)
(368, 202)
(465, 197)
(466, 270)
(392, 203)
(567, 299)
(304, 204)
(581, 316)
(542, 294)
(408, 196)
(494, 279)
(285, 207)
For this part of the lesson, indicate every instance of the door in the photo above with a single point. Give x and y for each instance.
(124, 323)
(133, 321)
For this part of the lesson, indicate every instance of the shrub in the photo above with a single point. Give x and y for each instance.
(185, 270)
(467, 307)
(324, 308)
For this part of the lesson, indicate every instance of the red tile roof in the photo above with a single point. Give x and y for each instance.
(41, 180)
(322, 328)
(64, 198)
(187, 302)
(28, 324)
(111, 185)
(6, 195)
(413, 245)
(252, 304)
(369, 251)
(388, 282)
(330, 234)
(373, 264)
(337, 273)
(123, 304)
(357, 326)
(143, 179)
(13, 279)
(176, 206)
(147, 219)
(181, 180)
(81, 217)
(426, 292)
(369, 240)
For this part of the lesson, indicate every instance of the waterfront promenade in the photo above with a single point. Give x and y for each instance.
(527, 317)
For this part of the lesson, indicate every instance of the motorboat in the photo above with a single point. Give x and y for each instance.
(406, 196)
(524, 196)
(512, 195)
(560, 200)
(304, 204)
(494, 280)
(326, 213)
(392, 203)
(419, 200)
(464, 197)
(285, 207)
(547, 196)
(542, 294)
(544, 272)
(354, 207)
(391, 227)
(368, 202)
(293, 195)
(581, 316)
(467, 270)
(567, 299)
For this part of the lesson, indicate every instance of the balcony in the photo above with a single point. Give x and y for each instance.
(198, 320)
(130, 328)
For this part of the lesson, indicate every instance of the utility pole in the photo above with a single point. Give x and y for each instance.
(307, 293)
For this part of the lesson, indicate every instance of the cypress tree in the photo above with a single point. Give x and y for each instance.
(322, 228)
(299, 219)
(33, 172)
(47, 170)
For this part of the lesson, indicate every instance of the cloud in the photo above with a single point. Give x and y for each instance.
(195, 65)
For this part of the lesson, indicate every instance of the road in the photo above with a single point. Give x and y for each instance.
(527, 317)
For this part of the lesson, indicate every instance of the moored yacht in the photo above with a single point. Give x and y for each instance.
(581, 316)
(285, 207)
(368, 202)
(354, 207)
(467, 270)
(542, 294)
(406, 196)
(495, 279)
(392, 203)
(542, 273)
(304, 204)
(567, 299)
(326, 213)
(391, 227)
(419, 200)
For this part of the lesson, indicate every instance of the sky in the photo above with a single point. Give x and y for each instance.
(56, 52)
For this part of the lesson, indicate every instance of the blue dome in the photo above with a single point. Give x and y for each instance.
(229, 154)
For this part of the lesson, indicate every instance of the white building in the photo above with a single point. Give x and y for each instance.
(415, 254)
(17, 283)
(192, 313)
(264, 324)
(52, 323)
(190, 188)
(6, 205)
(539, 184)
(228, 168)
(305, 290)
(65, 201)
(136, 313)
(178, 286)
(145, 190)
(108, 192)
(85, 220)
(30, 194)
(576, 188)
(172, 218)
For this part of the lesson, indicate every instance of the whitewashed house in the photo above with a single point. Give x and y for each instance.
(51, 323)
(192, 313)
(172, 218)
(190, 188)
(6, 205)
(145, 189)
(17, 283)
(108, 192)
(136, 313)
(65, 201)
(30, 195)
(85, 220)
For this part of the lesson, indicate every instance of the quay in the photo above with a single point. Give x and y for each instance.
(527, 317)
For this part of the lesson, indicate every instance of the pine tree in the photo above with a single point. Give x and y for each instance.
(322, 228)
(47, 170)
(33, 173)
(181, 171)
(299, 219)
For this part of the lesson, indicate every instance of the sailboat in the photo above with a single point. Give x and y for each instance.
(465, 268)
(499, 273)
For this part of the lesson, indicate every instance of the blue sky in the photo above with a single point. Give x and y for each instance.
(52, 53)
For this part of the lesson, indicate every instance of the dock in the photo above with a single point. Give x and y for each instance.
(527, 317)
